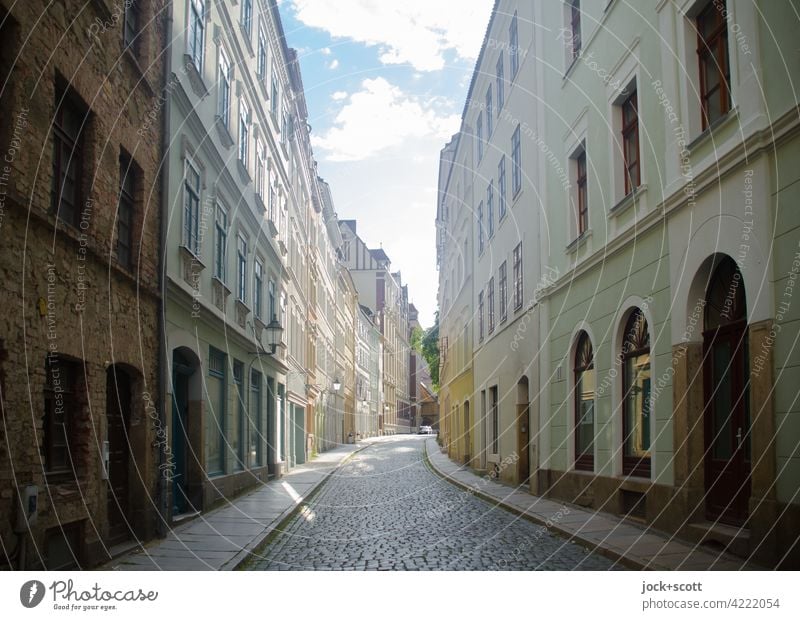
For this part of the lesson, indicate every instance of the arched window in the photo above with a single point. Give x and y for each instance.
(584, 403)
(636, 396)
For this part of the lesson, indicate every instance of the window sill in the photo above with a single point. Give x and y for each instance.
(247, 39)
(132, 59)
(223, 132)
(219, 293)
(579, 242)
(242, 310)
(723, 121)
(262, 84)
(244, 174)
(630, 199)
(192, 267)
(515, 196)
(570, 68)
(195, 79)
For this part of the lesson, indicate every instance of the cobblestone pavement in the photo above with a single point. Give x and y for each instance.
(385, 510)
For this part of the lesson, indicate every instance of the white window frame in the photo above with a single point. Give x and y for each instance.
(225, 87)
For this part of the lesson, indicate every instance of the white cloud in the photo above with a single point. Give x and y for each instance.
(414, 31)
(326, 51)
(334, 64)
(339, 95)
(378, 117)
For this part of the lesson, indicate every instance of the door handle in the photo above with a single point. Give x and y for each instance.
(739, 437)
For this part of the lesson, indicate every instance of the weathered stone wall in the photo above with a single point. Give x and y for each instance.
(63, 291)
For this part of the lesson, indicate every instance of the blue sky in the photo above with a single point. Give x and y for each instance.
(385, 84)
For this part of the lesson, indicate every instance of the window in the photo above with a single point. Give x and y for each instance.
(518, 277)
(480, 316)
(503, 292)
(513, 51)
(273, 103)
(261, 169)
(480, 228)
(225, 79)
(490, 303)
(247, 17)
(132, 26)
(68, 156)
(262, 55)
(516, 163)
(495, 411)
(489, 112)
(220, 242)
(630, 143)
(286, 132)
(501, 187)
(584, 403)
(479, 135)
(241, 268)
(712, 52)
(500, 84)
(61, 394)
(271, 299)
(125, 211)
(191, 209)
(238, 421)
(582, 205)
(258, 287)
(256, 421)
(215, 416)
(244, 131)
(490, 208)
(196, 32)
(575, 27)
(635, 358)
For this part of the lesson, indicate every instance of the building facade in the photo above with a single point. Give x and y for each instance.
(662, 166)
(79, 353)
(241, 188)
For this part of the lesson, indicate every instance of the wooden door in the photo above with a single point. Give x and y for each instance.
(118, 409)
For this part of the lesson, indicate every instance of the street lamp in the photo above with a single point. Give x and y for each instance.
(274, 333)
(337, 385)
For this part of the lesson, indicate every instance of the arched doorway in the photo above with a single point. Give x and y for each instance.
(523, 431)
(185, 457)
(118, 421)
(726, 384)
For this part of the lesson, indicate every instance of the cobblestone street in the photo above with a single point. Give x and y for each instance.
(385, 510)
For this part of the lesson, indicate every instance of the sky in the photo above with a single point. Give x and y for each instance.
(385, 84)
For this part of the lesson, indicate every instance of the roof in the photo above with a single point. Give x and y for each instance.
(378, 254)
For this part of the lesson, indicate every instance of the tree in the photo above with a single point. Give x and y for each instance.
(426, 343)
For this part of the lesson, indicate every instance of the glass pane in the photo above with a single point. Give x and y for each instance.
(215, 413)
(721, 431)
(585, 423)
(637, 405)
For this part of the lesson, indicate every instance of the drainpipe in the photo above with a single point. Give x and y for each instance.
(162, 330)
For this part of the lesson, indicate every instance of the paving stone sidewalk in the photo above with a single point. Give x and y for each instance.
(224, 537)
(631, 545)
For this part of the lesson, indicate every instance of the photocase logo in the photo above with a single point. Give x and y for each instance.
(31, 593)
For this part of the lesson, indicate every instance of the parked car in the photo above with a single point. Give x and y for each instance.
(425, 430)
